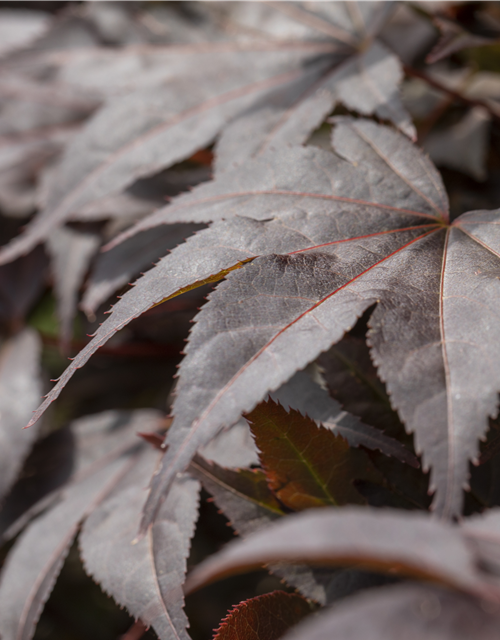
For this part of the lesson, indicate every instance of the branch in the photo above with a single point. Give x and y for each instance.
(410, 71)
(136, 631)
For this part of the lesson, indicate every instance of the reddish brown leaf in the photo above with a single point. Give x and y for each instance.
(306, 465)
(265, 617)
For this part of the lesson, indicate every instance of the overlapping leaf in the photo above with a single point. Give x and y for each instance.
(302, 393)
(146, 577)
(191, 94)
(106, 454)
(404, 611)
(244, 497)
(345, 234)
(34, 563)
(306, 465)
(265, 617)
(387, 540)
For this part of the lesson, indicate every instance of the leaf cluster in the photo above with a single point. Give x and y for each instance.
(271, 169)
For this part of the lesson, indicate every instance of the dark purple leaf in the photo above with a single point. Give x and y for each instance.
(71, 251)
(117, 267)
(402, 543)
(269, 187)
(20, 391)
(185, 112)
(404, 611)
(340, 254)
(145, 577)
(36, 559)
(301, 392)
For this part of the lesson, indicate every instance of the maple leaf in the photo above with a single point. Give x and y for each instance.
(265, 617)
(193, 93)
(370, 227)
(306, 465)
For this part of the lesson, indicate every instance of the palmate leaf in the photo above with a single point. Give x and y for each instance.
(265, 617)
(282, 311)
(345, 235)
(306, 465)
(194, 92)
(274, 186)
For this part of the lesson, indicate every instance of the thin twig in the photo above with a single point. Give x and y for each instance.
(415, 73)
(136, 631)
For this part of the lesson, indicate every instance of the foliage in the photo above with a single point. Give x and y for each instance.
(277, 159)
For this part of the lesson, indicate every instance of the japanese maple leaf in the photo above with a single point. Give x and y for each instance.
(310, 241)
(177, 100)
